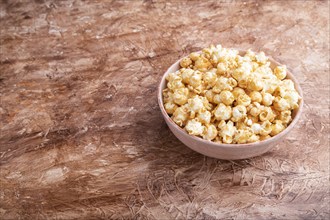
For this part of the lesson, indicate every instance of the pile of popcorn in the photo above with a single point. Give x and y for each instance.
(224, 97)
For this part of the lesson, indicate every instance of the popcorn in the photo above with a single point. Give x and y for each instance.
(209, 94)
(210, 132)
(221, 124)
(264, 137)
(227, 132)
(202, 64)
(255, 110)
(243, 99)
(174, 76)
(266, 128)
(253, 118)
(222, 112)
(285, 116)
(280, 72)
(261, 58)
(255, 84)
(243, 83)
(256, 128)
(224, 97)
(267, 99)
(180, 115)
(210, 77)
(185, 62)
(221, 84)
(253, 138)
(281, 104)
(232, 82)
(180, 96)
(204, 117)
(250, 55)
(237, 91)
(255, 96)
(186, 74)
(242, 136)
(194, 127)
(277, 127)
(194, 56)
(292, 97)
(248, 121)
(195, 104)
(270, 86)
(222, 68)
(288, 84)
(239, 112)
(217, 99)
(241, 125)
(175, 84)
(170, 107)
(279, 91)
(227, 139)
(266, 114)
(195, 79)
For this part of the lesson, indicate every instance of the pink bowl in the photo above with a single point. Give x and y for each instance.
(226, 151)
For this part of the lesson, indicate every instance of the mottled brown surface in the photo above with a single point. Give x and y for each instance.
(82, 135)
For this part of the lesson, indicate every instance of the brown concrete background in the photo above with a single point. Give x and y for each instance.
(81, 133)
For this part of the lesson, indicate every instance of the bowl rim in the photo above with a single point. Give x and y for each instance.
(253, 144)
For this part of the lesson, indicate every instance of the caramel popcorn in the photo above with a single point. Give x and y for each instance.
(224, 97)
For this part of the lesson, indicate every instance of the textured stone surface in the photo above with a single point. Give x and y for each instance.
(82, 135)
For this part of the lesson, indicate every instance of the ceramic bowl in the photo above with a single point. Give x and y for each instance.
(227, 151)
